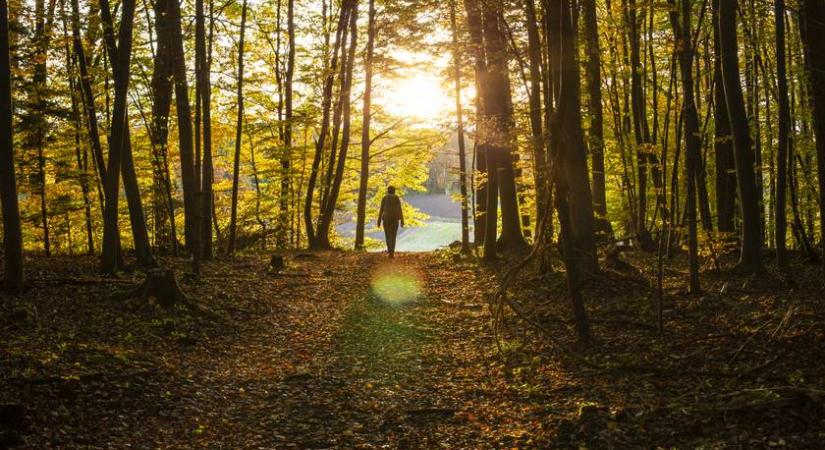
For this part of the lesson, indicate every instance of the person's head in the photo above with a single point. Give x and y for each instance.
(391, 190)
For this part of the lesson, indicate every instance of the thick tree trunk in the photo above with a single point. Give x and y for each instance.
(161, 106)
(567, 142)
(499, 133)
(750, 259)
(812, 21)
(12, 234)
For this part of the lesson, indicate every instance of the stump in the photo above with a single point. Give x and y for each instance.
(276, 263)
(161, 285)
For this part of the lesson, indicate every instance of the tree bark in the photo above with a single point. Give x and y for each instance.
(361, 213)
(205, 90)
(12, 234)
(596, 131)
(499, 131)
(119, 133)
(684, 48)
(233, 221)
(723, 141)
(780, 219)
(812, 28)
(185, 132)
(567, 142)
(750, 259)
(459, 115)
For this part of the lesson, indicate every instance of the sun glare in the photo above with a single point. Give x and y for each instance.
(419, 97)
(395, 286)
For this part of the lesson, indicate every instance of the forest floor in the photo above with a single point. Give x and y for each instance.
(348, 350)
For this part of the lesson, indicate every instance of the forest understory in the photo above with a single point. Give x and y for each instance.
(326, 353)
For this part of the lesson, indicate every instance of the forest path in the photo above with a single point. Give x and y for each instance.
(399, 366)
(339, 350)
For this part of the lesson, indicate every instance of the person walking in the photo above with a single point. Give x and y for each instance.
(390, 215)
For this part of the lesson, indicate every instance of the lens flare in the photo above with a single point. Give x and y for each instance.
(395, 285)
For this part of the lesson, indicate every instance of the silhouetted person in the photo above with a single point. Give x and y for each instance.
(390, 215)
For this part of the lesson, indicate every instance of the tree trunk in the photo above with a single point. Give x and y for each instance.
(750, 259)
(693, 145)
(536, 121)
(328, 210)
(12, 234)
(119, 133)
(320, 144)
(780, 219)
(361, 213)
(205, 90)
(140, 235)
(567, 139)
(459, 115)
(499, 133)
(723, 141)
(596, 132)
(286, 159)
(640, 126)
(185, 132)
(812, 28)
(480, 152)
(233, 221)
(161, 105)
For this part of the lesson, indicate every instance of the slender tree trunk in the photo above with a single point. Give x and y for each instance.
(42, 35)
(723, 141)
(12, 234)
(320, 144)
(361, 213)
(140, 235)
(185, 132)
(459, 115)
(780, 220)
(539, 152)
(286, 159)
(82, 161)
(693, 145)
(480, 148)
(596, 132)
(119, 134)
(567, 141)
(328, 211)
(233, 221)
(640, 126)
(205, 83)
(750, 259)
